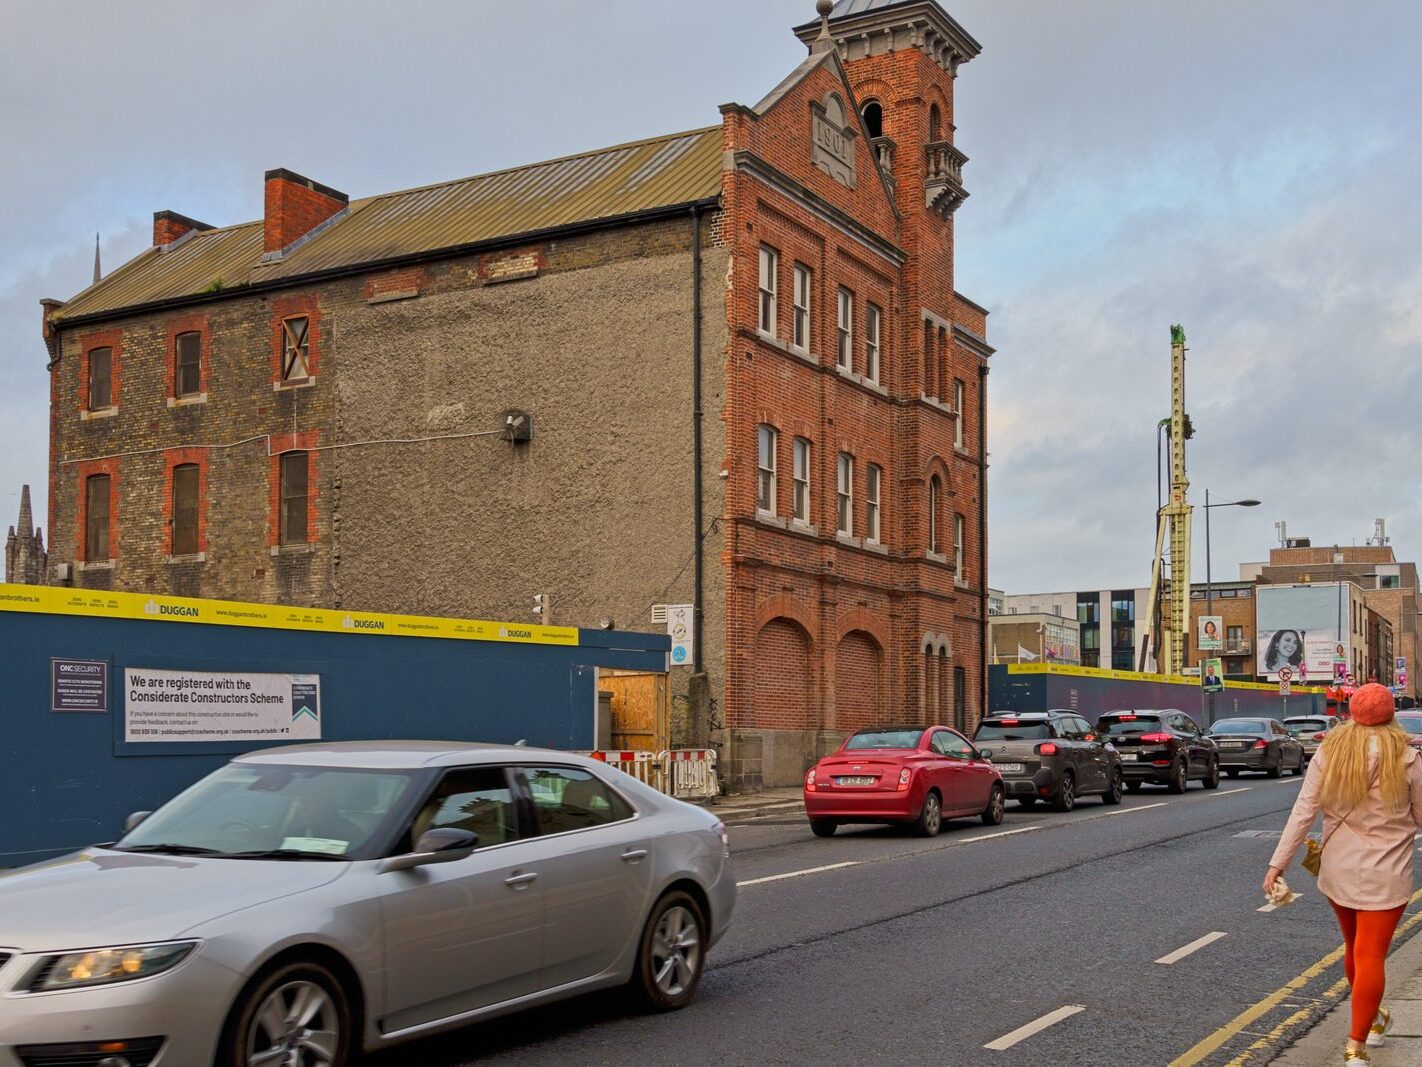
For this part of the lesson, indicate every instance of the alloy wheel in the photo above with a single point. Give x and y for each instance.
(296, 1026)
(676, 951)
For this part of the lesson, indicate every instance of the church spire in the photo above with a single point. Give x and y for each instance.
(25, 558)
(98, 273)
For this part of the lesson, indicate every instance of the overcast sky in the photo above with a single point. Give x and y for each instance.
(1249, 169)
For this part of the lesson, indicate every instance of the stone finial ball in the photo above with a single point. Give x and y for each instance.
(824, 7)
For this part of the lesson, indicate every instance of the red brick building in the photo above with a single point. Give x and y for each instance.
(334, 405)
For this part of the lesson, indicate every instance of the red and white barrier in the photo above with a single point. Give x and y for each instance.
(686, 773)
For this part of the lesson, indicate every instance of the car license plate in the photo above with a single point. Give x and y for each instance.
(1009, 768)
(1129, 757)
(855, 779)
(1233, 744)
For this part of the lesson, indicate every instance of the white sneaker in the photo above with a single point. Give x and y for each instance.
(1377, 1035)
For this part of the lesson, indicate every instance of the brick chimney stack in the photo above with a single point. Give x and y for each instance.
(295, 206)
(168, 226)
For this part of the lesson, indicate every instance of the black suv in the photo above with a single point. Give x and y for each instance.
(1054, 756)
(1161, 745)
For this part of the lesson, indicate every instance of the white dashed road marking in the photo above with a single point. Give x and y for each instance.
(1193, 947)
(1022, 1033)
(797, 874)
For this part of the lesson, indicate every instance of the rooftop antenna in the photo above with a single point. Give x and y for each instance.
(1379, 538)
(1283, 528)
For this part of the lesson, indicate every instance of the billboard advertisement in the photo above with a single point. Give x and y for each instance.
(1302, 627)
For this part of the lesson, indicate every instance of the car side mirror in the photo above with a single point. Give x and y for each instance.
(132, 822)
(984, 754)
(444, 845)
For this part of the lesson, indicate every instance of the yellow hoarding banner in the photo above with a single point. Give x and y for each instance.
(1136, 676)
(94, 603)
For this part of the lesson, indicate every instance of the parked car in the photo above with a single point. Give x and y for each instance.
(1054, 756)
(304, 904)
(1161, 745)
(1257, 745)
(1310, 730)
(915, 775)
(1412, 723)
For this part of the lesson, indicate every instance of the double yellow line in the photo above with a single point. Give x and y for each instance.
(1212, 1044)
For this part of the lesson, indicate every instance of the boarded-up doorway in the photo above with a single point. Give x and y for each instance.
(641, 709)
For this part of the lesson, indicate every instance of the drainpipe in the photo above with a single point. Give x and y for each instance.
(696, 503)
(982, 528)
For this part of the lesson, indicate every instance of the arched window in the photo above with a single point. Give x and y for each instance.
(935, 493)
(935, 123)
(874, 118)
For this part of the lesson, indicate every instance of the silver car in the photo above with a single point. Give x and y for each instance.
(303, 904)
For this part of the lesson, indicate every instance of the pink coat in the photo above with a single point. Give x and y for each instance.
(1367, 862)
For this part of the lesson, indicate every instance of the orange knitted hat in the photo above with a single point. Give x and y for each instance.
(1372, 705)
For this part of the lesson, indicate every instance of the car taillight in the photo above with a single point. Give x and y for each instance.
(1320, 737)
(1155, 739)
(904, 776)
(1047, 748)
(810, 779)
(1261, 743)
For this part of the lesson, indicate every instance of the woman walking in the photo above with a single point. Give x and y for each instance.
(1368, 783)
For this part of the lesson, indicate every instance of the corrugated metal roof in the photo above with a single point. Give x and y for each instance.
(622, 180)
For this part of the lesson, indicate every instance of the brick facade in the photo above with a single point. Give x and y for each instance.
(413, 507)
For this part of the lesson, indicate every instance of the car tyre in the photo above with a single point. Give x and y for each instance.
(1299, 767)
(1179, 778)
(1064, 799)
(1212, 776)
(1277, 771)
(997, 803)
(306, 998)
(1113, 789)
(930, 819)
(823, 827)
(671, 955)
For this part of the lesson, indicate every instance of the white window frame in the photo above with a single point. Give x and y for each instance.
(844, 494)
(844, 340)
(958, 527)
(873, 487)
(767, 444)
(800, 504)
(768, 311)
(873, 342)
(800, 331)
(960, 389)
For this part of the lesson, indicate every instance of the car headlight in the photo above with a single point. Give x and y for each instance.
(104, 966)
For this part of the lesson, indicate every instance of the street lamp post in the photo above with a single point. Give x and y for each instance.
(1209, 585)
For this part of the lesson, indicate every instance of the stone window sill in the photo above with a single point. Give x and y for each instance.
(935, 557)
(198, 557)
(95, 565)
(806, 528)
(294, 550)
(937, 405)
(876, 546)
(849, 539)
(101, 413)
(961, 583)
(861, 381)
(770, 518)
(305, 383)
(963, 452)
(185, 401)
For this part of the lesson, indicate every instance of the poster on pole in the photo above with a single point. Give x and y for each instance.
(1212, 676)
(1209, 628)
(220, 706)
(681, 624)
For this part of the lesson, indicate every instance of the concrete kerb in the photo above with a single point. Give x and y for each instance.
(1324, 1043)
(747, 807)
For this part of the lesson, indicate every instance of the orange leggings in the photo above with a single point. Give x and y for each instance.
(1367, 935)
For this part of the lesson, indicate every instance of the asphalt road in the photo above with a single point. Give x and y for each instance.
(890, 947)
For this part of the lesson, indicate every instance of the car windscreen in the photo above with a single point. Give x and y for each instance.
(884, 739)
(1240, 726)
(258, 810)
(1298, 727)
(1125, 725)
(1411, 723)
(1012, 730)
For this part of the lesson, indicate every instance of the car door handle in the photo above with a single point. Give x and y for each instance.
(634, 855)
(521, 881)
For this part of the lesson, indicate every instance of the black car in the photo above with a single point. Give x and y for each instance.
(1258, 745)
(1054, 756)
(1161, 745)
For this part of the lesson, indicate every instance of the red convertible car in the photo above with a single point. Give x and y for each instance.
(915, 775)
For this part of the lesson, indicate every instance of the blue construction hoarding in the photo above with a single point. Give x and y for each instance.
(113, 702)
(1092, 692)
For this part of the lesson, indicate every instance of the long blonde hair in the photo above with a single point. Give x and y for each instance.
(1348, 772)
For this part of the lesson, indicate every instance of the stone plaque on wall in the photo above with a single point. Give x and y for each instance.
(832, 135)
